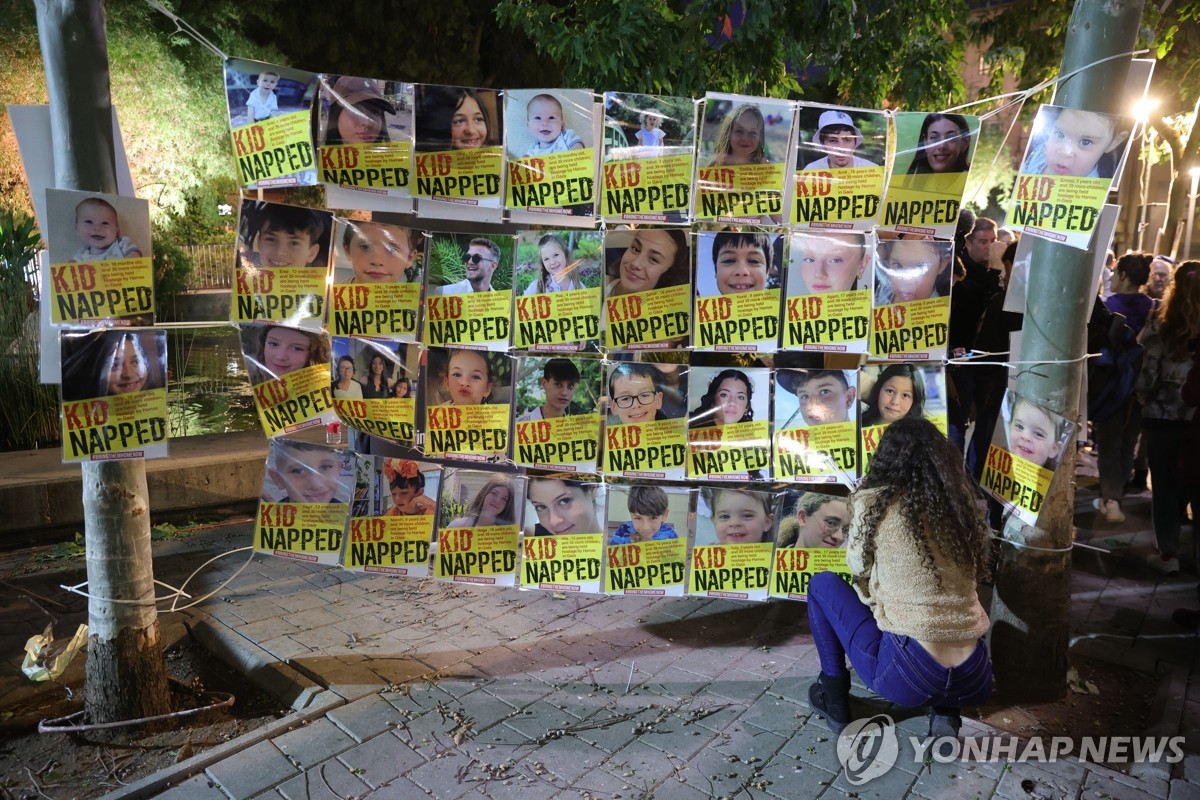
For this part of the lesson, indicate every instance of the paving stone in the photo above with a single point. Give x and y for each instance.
(254, 770)
(268, 628)
(1183, 790)
(747, 744)
(518, 694)
(643, 765)
(313, 743)
(537, 719)
(381, 760)
(285, 648)
(297, 599)
(567, 759)
(770, 712)
(485, 710)
(330, 780)
(676, 789)
(444, 777)
(813, 745)
(1022, 779)
(197, 787)
(954, 781)
(366, 717)
(1100, 787)
(740, 687)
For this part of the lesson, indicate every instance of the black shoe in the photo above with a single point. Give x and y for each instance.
(1138, 484)
(829, 696)
(944, 722)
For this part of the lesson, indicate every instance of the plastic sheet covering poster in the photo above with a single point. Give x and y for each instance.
(305, 502)
(269, 119)
(840, 153)
(929, 172)
(557, 410)
(468, 297)
(392, 517)
(911, 316)
(647, 289)
(468, 404)
(816, 426)
(283, 255)
(364, 134)
(1027, 446)
(458, 147)
(562, 549)
(649, 158)
(893, 391)
(745, 147)
(557, 283)
(735, 539)
(551, 152)
(100, 265)
(377, 280)
(729, 429)
(478, 526)
(374, 386)
(1068, 169)
(114, 394)
(647, 530)
(289, 377)
(811, 539)
(646, 435)
(827, 305)
(737, 290)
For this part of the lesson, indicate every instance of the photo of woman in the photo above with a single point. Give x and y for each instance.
(646, 259)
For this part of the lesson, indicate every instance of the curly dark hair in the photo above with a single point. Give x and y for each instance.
(920, 473)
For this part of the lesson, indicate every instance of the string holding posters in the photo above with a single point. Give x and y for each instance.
(269, 121)
(374, 384)
(100, 264)
(648, 532)
(468, 404)
(894, 391)
(735, 538)
(458, 148)
(562, 549)
(649, 158)
(729, 429)
(812, 538)
(737, 290)
(557, 284)
(911, 316)
(830, 281)
(557, 425)
(1027, 446)
(114, 394)
(1068, 169)
(392, 517)
(648, 289)
(469, 289)
(646, 433)
(305, 501)
(377, 280)
(289, 377)
(839, 176)
(745, 144)
(816, 425)
(283, 255)
(929, 172)
(552, 156)
(478, 527)
(365, 133)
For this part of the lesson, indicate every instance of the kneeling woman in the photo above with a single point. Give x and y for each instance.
(912, 625)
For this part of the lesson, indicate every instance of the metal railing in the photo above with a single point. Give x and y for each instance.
(212, 266)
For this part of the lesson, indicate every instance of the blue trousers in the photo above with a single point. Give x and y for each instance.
(895, 667)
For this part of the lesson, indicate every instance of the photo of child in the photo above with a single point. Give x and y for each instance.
(277, 235)
(896, 391)
(636, 392)
(741, 261)
(647, 126)
(814, 397)
(1073, 143)
(943, 143)
(363, 110)
(462, 377)
(85, 227)
(647, 508)
(735, 516)
(377, 252)
(548, 388)
(828, 261)
(102, 363)
(554, 122)
(272, 351)
(1032, 432)
(99, 233)
(563, 506)
(256, 92)
(814, 520)
(741, 138)
(262, 102)
(650, 135)
(558, 261)
(907, 270)
(494, 502)
(837, 137)
(304, 472)
(646, 259)
(456, 118)
(408, 488)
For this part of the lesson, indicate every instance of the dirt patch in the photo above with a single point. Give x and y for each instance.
(89, 765)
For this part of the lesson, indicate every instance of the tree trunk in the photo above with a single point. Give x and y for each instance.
(1031, 603)
(1185, 156)
(126, 676)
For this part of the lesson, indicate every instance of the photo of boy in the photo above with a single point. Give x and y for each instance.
(560, 378)
(99, 233)
(256, 91)
(1033, 432)
(1073, 143)
(907, 270)
(647, 507)
(838, 137)
(262, 102)
(479, 262)
(821, 262)
(818, 397)
(742, 261)
(635, 392)
(376, 252)
(276, 235)
(303, 472)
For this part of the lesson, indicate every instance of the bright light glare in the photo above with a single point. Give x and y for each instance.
(1144, 107)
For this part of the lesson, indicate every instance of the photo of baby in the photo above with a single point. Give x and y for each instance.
(86, 227)
(555, 121)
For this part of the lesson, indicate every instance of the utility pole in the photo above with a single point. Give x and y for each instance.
(1031, 606)
(126, 673)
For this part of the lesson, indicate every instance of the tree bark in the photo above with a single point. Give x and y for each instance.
(125, 675)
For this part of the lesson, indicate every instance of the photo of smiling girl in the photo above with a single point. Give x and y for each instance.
(478, 384)
(646, 260)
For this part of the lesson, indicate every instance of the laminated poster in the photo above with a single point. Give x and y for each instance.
(729, 429)
(468, 297)
(929, 172)
(1026, 448)
(737, 290)
(839, 167)
(551, 152)
(646, 434)
(562, 549)
(649, 158)
(648, 534)
(478, 530)
(468, 405)
(283, 255)
(289, 377)
(816, 426)
(1068, 169)
(269, 119)
(305, 502)
(891, 392)
(374, 384)
(829, 289)
(459, 153)
(648, 289)
(735, 537)
(100, 264)
(377, 280)
(392, 517)
(557, 425)
(365, 132)
(811, 539)
(744, 146)
(557, 283)
(911, 316)
(114, 394)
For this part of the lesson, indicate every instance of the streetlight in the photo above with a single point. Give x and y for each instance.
(1142, 109)
(1191, 217)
